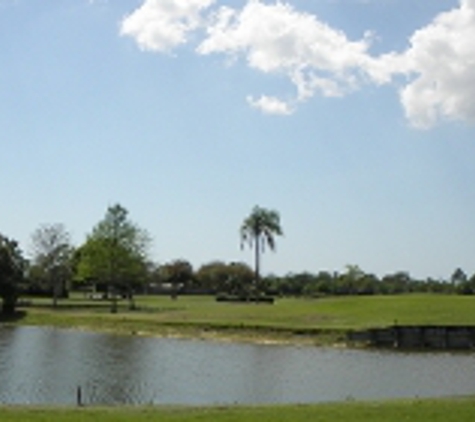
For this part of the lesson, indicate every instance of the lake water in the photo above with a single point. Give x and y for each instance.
(45, 366)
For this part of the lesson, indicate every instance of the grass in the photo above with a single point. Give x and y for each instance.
(321, 321)
(444, 410)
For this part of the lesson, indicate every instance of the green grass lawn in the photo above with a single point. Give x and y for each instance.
(455, 410)
(321, 320)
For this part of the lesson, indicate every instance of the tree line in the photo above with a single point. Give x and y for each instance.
(354, 281)
(113, 263)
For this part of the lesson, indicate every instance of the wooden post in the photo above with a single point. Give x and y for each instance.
(79, 396)
(397, 337)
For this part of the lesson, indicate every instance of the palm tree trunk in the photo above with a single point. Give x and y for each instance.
(257, 264)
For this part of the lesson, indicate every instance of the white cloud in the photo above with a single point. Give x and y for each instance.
(438, 67)
(275, 38)
(442, 56)
(160, 25)
(270, 105)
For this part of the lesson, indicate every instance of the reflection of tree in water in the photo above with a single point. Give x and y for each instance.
(266, 381)
(123, 379)
(33, 365)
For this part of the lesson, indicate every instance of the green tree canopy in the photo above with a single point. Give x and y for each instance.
(179, 273)
(12, 266)
(458, 277)
(115, 253)
(212, 275)
(234, 278)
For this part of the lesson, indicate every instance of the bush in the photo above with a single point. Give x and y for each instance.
(223, 297)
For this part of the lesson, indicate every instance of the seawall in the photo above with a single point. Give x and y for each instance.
(428, 337)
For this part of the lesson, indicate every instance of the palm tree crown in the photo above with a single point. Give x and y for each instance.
(259, 229)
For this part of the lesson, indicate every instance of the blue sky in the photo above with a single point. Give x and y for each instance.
(352, 118)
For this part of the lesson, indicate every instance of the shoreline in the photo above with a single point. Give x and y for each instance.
(368, 323)
(278, 336)
(138, 323)
(201, 333)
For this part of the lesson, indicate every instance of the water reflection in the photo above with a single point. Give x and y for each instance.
(45, 366)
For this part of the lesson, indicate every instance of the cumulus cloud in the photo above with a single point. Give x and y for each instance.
(275, 38)
(442, 56)
(270, 105)
(160, 25)
(437, 70)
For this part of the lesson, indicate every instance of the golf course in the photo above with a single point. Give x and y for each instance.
(317, 322)
(322, 321)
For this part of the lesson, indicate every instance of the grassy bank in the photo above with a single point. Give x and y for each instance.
(320, 321)
(455, 410)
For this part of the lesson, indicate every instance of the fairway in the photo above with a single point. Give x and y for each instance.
(321, 321)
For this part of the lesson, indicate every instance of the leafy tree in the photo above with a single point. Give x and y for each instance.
(467, 287)
(239, 280)
(351, 278)
(212, 276)
(367, 285)
(258, 230)
(299, 284)
(115, 253)
(458, 278)
(12, 266)
(52, 253)
(325, 282)
(152, 279)
(234, 278)
(273, 284)
(399, 282)
(178, 273)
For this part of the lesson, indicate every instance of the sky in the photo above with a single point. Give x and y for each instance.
(354, 119)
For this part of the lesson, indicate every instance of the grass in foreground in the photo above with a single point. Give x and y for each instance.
(455, 410)
(321, 321)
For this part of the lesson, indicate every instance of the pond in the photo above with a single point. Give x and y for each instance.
(46, 366)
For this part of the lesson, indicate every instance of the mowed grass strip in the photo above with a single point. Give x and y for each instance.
(331, 317)
(443, 410)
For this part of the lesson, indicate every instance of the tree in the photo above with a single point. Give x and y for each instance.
(52, 253)
(325, 282)
(258, 230)
(212, 276)
(234, 278)
(351, 278)
(399, 282)
(239, 282)
(12, 267)
(458, 277)
(299, 284)
(178, 273)
(115, 253)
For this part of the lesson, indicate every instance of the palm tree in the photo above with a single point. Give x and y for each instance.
(258, 230)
